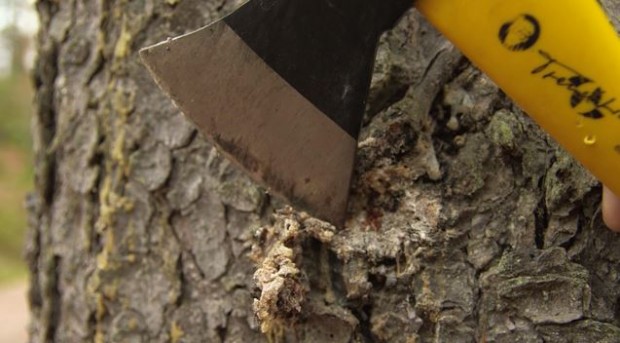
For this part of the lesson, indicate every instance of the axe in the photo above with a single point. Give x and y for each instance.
(280, 86)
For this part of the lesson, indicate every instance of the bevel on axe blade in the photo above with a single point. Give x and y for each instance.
(280, 87)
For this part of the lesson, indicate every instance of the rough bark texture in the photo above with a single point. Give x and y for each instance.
(467, 223)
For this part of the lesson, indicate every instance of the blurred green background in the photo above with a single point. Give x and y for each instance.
(18, 25)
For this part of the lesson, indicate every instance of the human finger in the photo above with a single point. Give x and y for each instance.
(611, 210)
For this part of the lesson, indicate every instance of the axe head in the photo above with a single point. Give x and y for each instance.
(280, 87)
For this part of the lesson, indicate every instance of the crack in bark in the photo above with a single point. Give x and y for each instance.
(541, 222)
(54, 299)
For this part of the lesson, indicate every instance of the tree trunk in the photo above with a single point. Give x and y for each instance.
(467, 223)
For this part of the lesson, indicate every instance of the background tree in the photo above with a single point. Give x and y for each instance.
(467, 223)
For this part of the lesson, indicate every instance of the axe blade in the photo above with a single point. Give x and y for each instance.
(280, 86)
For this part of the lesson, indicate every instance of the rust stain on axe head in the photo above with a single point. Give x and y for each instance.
(264, 172)
(256, 118)
(249, 162)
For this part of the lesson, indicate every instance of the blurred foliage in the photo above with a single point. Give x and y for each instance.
(15, 107)
(16, 171)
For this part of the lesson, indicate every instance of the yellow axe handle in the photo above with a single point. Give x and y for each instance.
(558, 59)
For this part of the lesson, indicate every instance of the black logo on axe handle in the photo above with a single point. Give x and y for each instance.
(521, 33)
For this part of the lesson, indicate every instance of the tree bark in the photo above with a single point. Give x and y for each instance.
(467, 222)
